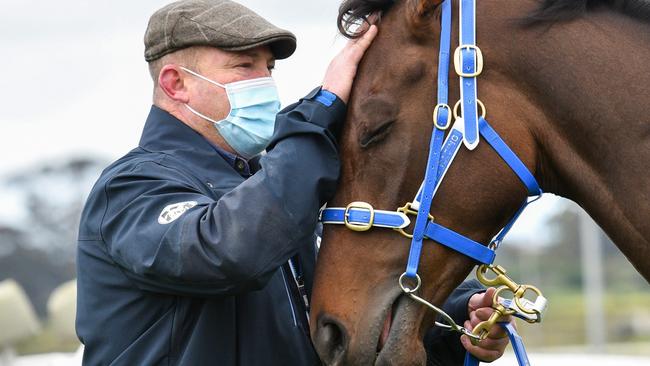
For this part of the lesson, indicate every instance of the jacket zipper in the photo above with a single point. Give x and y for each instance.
(293, 313)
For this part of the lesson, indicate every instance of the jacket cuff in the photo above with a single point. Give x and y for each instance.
(330, 102)
(457, 306)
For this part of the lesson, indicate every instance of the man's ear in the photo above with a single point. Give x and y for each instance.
(420, 16)
(171, 81)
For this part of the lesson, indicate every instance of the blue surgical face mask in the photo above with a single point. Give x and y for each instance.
(253, 105)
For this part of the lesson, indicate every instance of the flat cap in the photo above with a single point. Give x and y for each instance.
(223, 24)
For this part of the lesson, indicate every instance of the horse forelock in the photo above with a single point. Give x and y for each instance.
(353, 12)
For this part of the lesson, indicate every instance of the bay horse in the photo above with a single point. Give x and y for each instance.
(566, 84)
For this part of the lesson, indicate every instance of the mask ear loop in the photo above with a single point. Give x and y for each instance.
(201, 115)
(203, 77)
(209, 81)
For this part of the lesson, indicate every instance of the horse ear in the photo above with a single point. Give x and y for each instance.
(420, 15)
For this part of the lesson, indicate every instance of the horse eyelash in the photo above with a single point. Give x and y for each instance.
(377, 135)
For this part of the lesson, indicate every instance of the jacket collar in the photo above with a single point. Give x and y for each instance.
(166, 134)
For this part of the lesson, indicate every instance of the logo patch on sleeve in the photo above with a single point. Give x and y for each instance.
(172, 212)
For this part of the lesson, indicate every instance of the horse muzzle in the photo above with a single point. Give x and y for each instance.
(392, 337)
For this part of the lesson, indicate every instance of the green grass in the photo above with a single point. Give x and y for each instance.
(564, 322)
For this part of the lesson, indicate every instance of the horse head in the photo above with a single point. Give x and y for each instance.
(359, 313)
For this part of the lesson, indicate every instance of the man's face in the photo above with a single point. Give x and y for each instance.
(225, 67)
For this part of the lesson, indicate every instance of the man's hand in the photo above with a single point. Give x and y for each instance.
(480, 309)
(343, 68)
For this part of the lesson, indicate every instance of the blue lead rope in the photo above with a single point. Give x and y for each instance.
(517, 346)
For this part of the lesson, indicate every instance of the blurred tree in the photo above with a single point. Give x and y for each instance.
(38, 235)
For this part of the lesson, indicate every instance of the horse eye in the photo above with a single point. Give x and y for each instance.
(376, 135)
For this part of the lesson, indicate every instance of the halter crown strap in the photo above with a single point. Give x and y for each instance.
(469, 64)
(442, 112)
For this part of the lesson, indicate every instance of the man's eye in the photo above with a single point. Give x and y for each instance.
(245, 65)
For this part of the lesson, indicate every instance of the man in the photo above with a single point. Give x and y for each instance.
(192, 249)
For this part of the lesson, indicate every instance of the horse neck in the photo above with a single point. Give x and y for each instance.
(589, 81)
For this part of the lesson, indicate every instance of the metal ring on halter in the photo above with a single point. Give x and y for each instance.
(436, 114)
(480, 104)
(405, 288)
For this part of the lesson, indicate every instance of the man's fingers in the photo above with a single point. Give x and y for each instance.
(364, 41)
(497, 331)
(484, 354)
(367, 22)
(481, 300)
(483, 314)
(356, 48)
(343, 68)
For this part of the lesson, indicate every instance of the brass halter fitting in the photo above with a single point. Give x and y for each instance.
(356, 226)
(478, 61)
(407, 210)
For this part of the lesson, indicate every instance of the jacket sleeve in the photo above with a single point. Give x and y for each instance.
(236, 243)
(442, 346)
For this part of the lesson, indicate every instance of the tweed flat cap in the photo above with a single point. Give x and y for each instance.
(222, 24)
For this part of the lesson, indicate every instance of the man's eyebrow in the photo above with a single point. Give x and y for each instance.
(237, 56)
(247, 53)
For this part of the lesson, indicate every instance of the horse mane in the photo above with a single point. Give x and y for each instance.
(354, 12)
(558, 10)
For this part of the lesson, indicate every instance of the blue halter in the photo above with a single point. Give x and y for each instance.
(360, 216)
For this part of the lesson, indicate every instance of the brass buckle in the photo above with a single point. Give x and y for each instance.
(480, 104)
(436, 113)
(458, 61)
(407, 210)
(359, 227)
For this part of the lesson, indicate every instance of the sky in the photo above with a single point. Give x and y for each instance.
(76, 83)
(79, 82)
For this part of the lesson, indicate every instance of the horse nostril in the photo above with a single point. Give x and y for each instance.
(330, 342)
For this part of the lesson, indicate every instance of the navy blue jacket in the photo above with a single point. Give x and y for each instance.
(183, 261)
